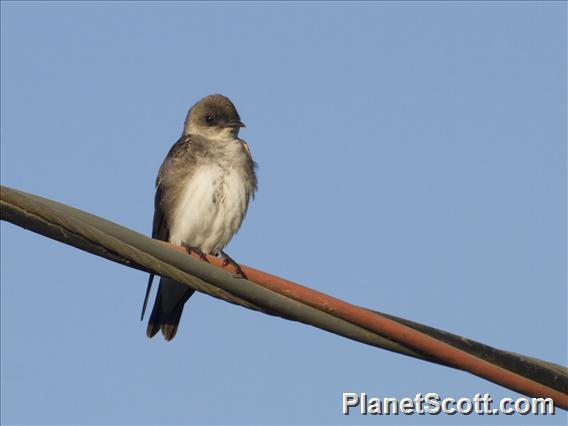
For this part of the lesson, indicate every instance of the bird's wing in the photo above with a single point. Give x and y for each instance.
(160, 231)
(160, 227)
(167, 180)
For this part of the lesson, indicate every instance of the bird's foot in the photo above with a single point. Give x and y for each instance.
(195, 250)
(239, 273)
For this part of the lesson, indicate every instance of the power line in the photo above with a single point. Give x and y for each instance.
(277, 296)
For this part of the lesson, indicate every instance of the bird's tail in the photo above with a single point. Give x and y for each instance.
(168, 308)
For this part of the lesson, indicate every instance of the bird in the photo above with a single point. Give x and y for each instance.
(203, 190)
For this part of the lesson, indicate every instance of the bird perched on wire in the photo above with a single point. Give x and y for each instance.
(203, 191)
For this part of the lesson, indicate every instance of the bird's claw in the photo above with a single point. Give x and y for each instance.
(239, 273)
(195, 250)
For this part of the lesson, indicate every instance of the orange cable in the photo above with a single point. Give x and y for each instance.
(401, 333)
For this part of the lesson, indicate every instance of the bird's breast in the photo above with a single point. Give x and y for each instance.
(210, 207)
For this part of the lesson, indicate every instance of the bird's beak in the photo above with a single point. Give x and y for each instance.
(236, 123)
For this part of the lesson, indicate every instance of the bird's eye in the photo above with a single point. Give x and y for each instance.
(209, 118)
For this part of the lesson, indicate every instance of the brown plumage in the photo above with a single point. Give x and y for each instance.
(203, 190)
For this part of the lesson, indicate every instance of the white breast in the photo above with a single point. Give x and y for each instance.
(211, 208)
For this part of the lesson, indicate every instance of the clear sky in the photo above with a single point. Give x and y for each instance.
(412, 160)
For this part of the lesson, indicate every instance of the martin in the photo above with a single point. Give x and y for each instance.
(203, 191)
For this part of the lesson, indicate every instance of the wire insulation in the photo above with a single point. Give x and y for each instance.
(277, 296)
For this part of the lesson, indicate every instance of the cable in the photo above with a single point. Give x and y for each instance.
(277, 296)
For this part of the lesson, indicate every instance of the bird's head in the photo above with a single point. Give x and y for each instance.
(215, 117)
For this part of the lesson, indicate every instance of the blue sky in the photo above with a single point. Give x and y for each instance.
(412, 160)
